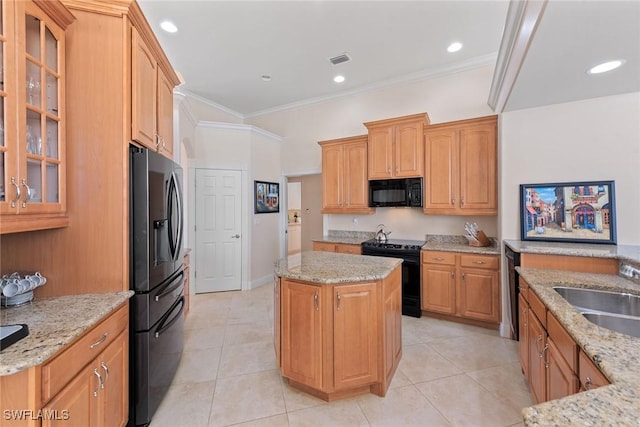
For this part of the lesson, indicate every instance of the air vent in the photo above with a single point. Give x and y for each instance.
(340, 59)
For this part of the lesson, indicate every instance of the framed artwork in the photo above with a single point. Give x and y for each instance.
(579, 212)
(267, 197)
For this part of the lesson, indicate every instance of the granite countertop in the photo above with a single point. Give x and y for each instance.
(346, 237)
(628, 253)
(53, 323)
(458, 244)
(335, 268)
(615, 354)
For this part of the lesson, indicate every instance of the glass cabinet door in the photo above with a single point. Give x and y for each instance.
(40, 181)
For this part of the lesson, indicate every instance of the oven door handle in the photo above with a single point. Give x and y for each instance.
(164, 325)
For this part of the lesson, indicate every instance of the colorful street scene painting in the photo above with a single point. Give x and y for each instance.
(267, 197)
(580, 211)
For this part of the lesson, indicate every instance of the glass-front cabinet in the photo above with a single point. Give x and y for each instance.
(32, 190)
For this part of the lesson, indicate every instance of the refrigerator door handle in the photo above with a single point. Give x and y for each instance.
(170, 287)
(175, 234)
(164, 325)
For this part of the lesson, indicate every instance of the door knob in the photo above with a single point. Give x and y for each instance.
(237, 236)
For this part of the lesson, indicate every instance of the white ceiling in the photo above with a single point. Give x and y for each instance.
(222, 48)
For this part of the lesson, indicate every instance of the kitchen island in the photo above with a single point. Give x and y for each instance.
(338, 325)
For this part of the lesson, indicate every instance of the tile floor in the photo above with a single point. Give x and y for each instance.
(450, 375)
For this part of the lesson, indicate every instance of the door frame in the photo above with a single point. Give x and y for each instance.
(244, 219)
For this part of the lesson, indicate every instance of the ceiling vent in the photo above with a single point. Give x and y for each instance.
(340, 59)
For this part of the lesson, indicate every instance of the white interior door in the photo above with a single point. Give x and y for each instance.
(218, 230)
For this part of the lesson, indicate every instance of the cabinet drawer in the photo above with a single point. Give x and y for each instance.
(538, 307)
(480, 261)
(436, 257)
(567, 347)
(59, 371)
(324, 246)
(344, 248)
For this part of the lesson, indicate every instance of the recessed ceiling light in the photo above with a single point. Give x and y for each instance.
(454, 47)
(605, 66)
(266, 78)
(168, 26)
(338, 79)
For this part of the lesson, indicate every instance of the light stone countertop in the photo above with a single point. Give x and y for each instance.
(627, 253)
(615, 354)
(53, 324)
(346, 237)
(458, 244)
(335, 268)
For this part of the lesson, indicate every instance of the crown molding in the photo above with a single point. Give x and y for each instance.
(212, 104)
(240, 127)
(476, 62)
(523, 18)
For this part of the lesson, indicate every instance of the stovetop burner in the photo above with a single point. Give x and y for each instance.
(412, 245)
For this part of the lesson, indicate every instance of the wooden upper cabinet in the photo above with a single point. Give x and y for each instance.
(396, 147)
(151, 99)
(345, 188)
(461, 168)
(144, 77)
(32, 115)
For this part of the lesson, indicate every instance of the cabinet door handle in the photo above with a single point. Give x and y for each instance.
(18, 192)
(462, 201)
(315, 301)
(106, 373)
(463, 275)
(478, 262)
(453, 274)
(100, 341)
(588, 383)
(546, 359)
(28, 195)
(100, 383)
(453, 202)
(339, 300)
(538, 347)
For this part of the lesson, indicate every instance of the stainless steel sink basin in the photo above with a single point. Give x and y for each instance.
(624, 325)
(605, 301)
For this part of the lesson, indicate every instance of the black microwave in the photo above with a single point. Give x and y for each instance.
(395, 192)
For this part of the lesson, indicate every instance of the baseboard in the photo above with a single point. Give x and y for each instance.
(505, 330)
(261, 281)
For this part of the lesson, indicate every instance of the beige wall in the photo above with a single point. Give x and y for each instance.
(594, 139)
(452, 97)
(310, 205)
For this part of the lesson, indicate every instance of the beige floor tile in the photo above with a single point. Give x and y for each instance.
(475, 352)
(507, 382)
(465, 403)
(399, 380)
(247, 333)
(247, 358)
(421, 363)
(276, 421)
(402, 406)
(201, 338)
(198, 366)
(246, 398)
(296, 400)
(185, 405)
(342, 413)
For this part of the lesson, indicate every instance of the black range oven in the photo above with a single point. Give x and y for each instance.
(409, 252)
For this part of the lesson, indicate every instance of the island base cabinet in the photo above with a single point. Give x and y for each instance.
(301, 333)
(340, 340)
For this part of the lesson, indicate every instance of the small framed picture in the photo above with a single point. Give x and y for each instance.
(579, 212)
(267, 197)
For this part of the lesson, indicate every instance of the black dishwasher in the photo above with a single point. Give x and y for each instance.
(513, 261)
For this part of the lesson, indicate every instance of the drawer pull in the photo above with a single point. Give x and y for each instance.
(588, 383)
(478, 262)
(439, 258)
(100, 341)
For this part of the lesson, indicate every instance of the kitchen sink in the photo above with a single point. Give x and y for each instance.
(603, 301)
(624, 325)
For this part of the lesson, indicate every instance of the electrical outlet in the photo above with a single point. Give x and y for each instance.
(355, 220)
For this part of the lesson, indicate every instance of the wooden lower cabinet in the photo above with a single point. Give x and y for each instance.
(86, 384)
(461, 285)
(551, 360)
(343, 248)
(340, 340)
(97, 395)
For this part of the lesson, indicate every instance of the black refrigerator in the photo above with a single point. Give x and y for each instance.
(157, 278)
